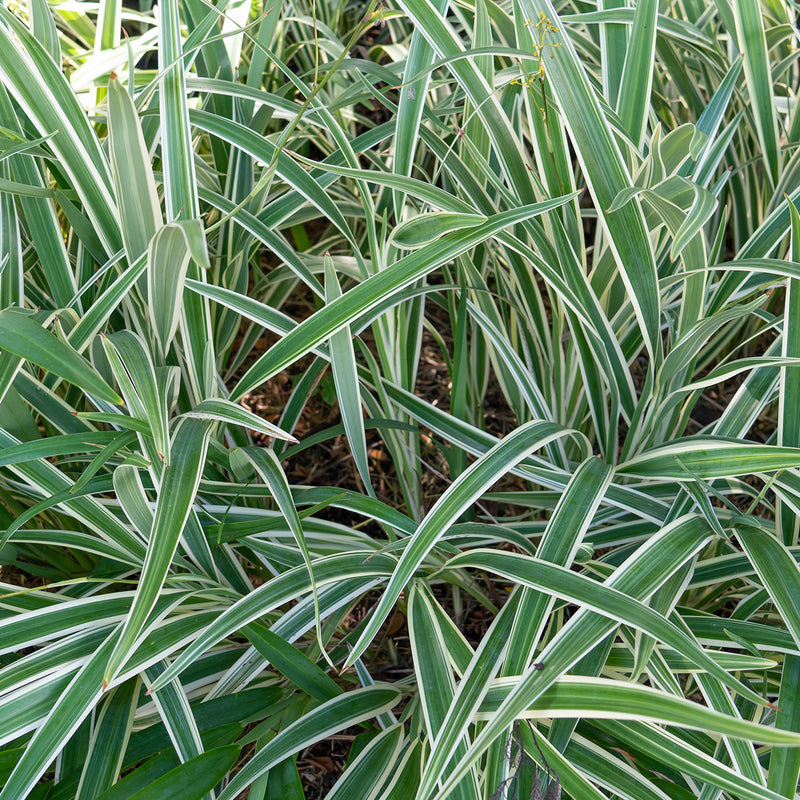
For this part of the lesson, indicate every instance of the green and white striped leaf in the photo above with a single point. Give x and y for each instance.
(134, 184)
(345, 379)
(225, 411)
(359, 300)
(427, 227)
(467, 488)
(606, 175)
(22, 336)
(175, 498)
(336, 715)
(169, 253)
(591, 698)
(70, 708)
(752, 43)
(708, 457)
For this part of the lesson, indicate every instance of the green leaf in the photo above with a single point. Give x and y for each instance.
(345, 379)
(169, 254)
(25, 338)
(709, 457)
(109, 740)
(134, 184)
(669, 749)
(460, 495)
(289, 661)
(641, 574)
(226, 411)
(68, 444)
(286, 587)
(427, 227)
(175, 498)
(577, 696)
(269, 468)
(44, 29)
(371, 768)
(36, 82)
(605, 172)
(359, 300)
(753, 44)
(73, 705)
(565, 530)
(192, 780)
(784, 762)
(789, 397)
(448, 710)
(180, 195)
(336, 715)
(135, 372)
(777, 570)
(637, 74)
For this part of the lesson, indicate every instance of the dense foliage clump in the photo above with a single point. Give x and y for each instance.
(399, 401)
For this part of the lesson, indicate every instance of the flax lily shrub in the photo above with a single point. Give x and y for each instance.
(584, 214)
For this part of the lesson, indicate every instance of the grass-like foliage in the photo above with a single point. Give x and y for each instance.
(583, 215)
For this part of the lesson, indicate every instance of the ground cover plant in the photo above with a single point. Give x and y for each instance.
(523, 279)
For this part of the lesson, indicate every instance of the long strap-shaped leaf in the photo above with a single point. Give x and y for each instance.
(140, 210)
(753, 43)
(789, 398)
(259, 147)
(331, 717)
(29, 628)
(109, 740)
(606, 175)
(40, 218)
(784, 762)
(359, 300)
(175, 497)
(778, 571)
(176, 714)
(467, 488)
(565, 530)
(50, 481)
(442, 37)
(605, 768)
(38, 85)
(233, 414)
(637, 578)
(269, 468)
(191, 780)
(285, 588)
(71, 708)
(742, 753)
(670, 749)
(21, 335)
(371, 768)
(637, 76)
(133, 368)
(180, 185)
(578, 696)
(602, 599)
(345, 379)
(708, 457)
(432, 661)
